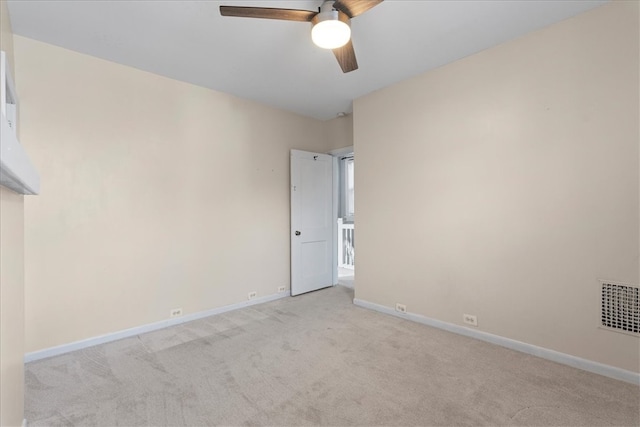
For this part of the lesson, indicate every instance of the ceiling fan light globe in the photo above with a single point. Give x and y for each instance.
(331, 32)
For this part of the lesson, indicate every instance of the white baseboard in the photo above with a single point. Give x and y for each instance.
(90, 342)
(545, 353)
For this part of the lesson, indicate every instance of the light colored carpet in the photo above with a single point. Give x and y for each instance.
(346, 277)
(316, 359)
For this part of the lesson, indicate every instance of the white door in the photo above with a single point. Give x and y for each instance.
(311, 221)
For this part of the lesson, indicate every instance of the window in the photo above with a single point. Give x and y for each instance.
(349, 193)
(8, 98)
(347, 209)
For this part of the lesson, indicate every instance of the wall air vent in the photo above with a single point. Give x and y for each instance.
(621, 307)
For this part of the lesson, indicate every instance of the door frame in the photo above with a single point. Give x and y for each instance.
(336, 154)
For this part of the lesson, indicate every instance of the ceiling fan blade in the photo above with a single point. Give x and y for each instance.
(346, 57)
(268, 13)
(353, 8)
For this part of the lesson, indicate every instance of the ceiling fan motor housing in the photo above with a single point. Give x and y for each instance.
(330, 28)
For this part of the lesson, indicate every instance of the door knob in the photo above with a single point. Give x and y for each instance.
(298, 233)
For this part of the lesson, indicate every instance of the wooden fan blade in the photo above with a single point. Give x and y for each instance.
(268, 13)
(346, 57)
(353, 8)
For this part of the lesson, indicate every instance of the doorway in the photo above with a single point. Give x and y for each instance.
(346, 219)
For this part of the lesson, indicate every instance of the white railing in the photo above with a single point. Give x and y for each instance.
(346, 245)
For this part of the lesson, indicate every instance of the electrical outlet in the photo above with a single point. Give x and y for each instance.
(470, 319)
(252, 295)
(175, 312)
(282, 288)
(401, 308)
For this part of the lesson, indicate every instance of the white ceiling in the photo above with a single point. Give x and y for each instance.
(275, 62)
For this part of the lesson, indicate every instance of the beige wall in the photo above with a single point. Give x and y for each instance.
(506, 184)
(339, 132)
(156, 194)
(11, 281)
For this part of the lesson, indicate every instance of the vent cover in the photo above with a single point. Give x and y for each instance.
(621, 307)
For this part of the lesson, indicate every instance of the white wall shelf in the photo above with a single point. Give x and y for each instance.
(16, 170)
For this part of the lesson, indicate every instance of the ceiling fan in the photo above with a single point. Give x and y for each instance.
(330, 25)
